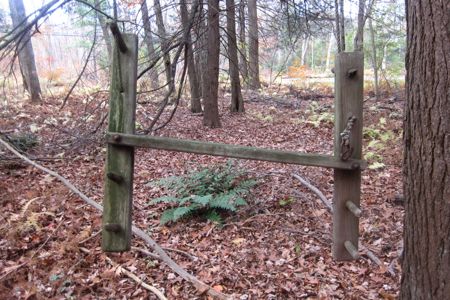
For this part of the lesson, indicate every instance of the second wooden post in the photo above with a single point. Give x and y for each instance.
(349, 78)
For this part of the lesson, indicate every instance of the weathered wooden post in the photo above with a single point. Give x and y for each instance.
(117, 203)
(349, 78)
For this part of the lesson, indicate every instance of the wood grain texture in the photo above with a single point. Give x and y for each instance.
(120, 159)
(347, 183)
(244, 152)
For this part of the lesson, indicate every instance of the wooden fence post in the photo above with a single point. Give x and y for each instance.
(117, 203)
(349, 79)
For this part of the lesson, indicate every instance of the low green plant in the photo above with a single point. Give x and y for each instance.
(317, 115)
(23, 141)
(206, 193)
(379, 137)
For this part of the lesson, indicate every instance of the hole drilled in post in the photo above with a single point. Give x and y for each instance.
(114, 177)
(351, 73)
(112, 227)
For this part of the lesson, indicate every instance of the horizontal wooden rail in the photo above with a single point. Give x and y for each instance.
(235, 151)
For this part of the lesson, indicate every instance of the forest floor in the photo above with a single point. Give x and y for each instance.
(277, 247)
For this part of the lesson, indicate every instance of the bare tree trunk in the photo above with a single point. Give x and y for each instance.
(253, 45)
(243, 45)
(327, 63)
(154, 80)
(105, 30)
(426, 262)
(25, 52)
(337, 25)
(237, 103)
(164, 43)
(359, 37)
(200, 44)
(342, 24)
(211, 81)
(304, 50)
(193, 80)
(374, 59)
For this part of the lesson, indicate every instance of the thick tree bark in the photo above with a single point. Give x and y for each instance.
(237, 103)
(25, 52)
(426, 262)
(211, 81)
(154, 81)
(242, 44)
(164, 43)
(253, 45)
(192, 71)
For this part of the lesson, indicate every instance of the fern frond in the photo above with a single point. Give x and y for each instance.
(202, 200)
(164, 199)
(223, 201)
(213, 216)
(181, 212)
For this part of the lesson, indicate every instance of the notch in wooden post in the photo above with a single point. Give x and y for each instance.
(355, 210)
(118, 36)
(351, 249)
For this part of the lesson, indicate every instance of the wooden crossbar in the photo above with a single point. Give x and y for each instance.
(235, 151)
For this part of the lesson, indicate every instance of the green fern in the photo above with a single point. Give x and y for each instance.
(206, 193)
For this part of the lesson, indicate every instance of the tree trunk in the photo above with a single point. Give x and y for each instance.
(25, 52)
(342, 24)
(200, 53)
(426, 262)
(374, 59)
(304, 50)
(211, 81)
(253, 45)
(192, 73)
(154, 80)
(237, 103)
(242, 44)
(359, 36)
(164, 43)
(327, 63)
(105, 30)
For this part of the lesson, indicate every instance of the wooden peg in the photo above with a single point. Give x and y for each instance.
(351, 249)
(355, 210)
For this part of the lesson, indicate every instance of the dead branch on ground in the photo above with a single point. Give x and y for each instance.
(199, 285)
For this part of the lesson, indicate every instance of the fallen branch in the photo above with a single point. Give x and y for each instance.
(327, 203)
(137, 279)
(315, 190)
(199, 285)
